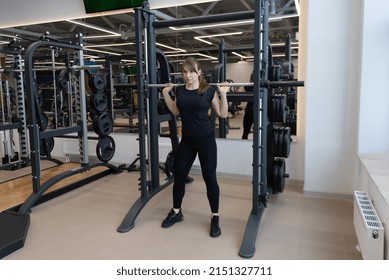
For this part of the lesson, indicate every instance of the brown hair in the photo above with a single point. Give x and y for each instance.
(252, 77)
(191, 63)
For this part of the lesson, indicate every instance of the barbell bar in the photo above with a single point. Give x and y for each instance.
(268, 84)
(74, 67)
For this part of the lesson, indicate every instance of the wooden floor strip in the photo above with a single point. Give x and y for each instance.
(15, 192)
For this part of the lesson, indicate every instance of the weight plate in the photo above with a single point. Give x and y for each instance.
(275, 141)
(279, 163)
(105, 148)
(46, 146)
(286, 142)
(292, 99)
(282, 109)
(62, 84)
(44, 121)
(275, 177)
(169, 163)
(96, 82)
(162, 107)
(280, 139)
(99, 101)
(103, 124)
(274, 113)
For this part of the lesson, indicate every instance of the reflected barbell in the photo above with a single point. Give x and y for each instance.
(267, 84)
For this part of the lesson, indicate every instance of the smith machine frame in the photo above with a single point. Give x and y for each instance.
(145, 21)
(38, 133)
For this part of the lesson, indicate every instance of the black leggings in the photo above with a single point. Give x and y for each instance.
(206, 149)
(248, 119)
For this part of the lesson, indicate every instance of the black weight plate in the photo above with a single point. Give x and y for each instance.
(280, 162)
(62, 84)
(275, 139)
(280, 139)
(282, 109)
(292, 99)
(169, 163)
(99, 101)
(286, 142)
(103, 124)
(96, 82)
(44, 121)
(162, 108)
(105, 148)
(275, 108)
(46, 146)
(275, 176)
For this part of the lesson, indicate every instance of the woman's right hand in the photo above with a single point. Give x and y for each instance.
(168, 87)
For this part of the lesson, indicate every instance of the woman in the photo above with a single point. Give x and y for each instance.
(248, 118)
(192, 103)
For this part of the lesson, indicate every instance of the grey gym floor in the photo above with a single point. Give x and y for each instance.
(82, 225)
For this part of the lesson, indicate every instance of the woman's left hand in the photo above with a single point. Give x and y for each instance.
(223, 89)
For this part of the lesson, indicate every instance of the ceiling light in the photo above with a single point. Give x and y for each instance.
(129, 60)
(101, 36)
(88, 56)
(200, 38)
(98, 51)
(191, 54)
(242, 56)
(297, 5)
(276, 18)
(282, 44)
(109, 45)
(242, 22)
(171, 48)
(213, 25)
(283, 55)
(94, 27)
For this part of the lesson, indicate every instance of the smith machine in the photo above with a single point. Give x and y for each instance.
(13, 118)
(15, 221)
(147, 88)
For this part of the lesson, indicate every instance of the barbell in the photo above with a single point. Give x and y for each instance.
(267, 84)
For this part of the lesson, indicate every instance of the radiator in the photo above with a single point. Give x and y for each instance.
(368, 227)
(164, 150)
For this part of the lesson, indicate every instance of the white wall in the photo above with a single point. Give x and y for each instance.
(331, 56)
(374, 112)
(240, 72)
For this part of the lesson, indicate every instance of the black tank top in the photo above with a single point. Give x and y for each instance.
(194, 111)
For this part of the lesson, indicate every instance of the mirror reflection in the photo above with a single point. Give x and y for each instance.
(109, 43)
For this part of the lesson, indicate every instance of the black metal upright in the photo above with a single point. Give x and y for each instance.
(259, 187)
(148, 113)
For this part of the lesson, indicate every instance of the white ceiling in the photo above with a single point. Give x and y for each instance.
(123, 25)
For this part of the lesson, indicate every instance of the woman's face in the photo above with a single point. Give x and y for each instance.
(191, 76)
